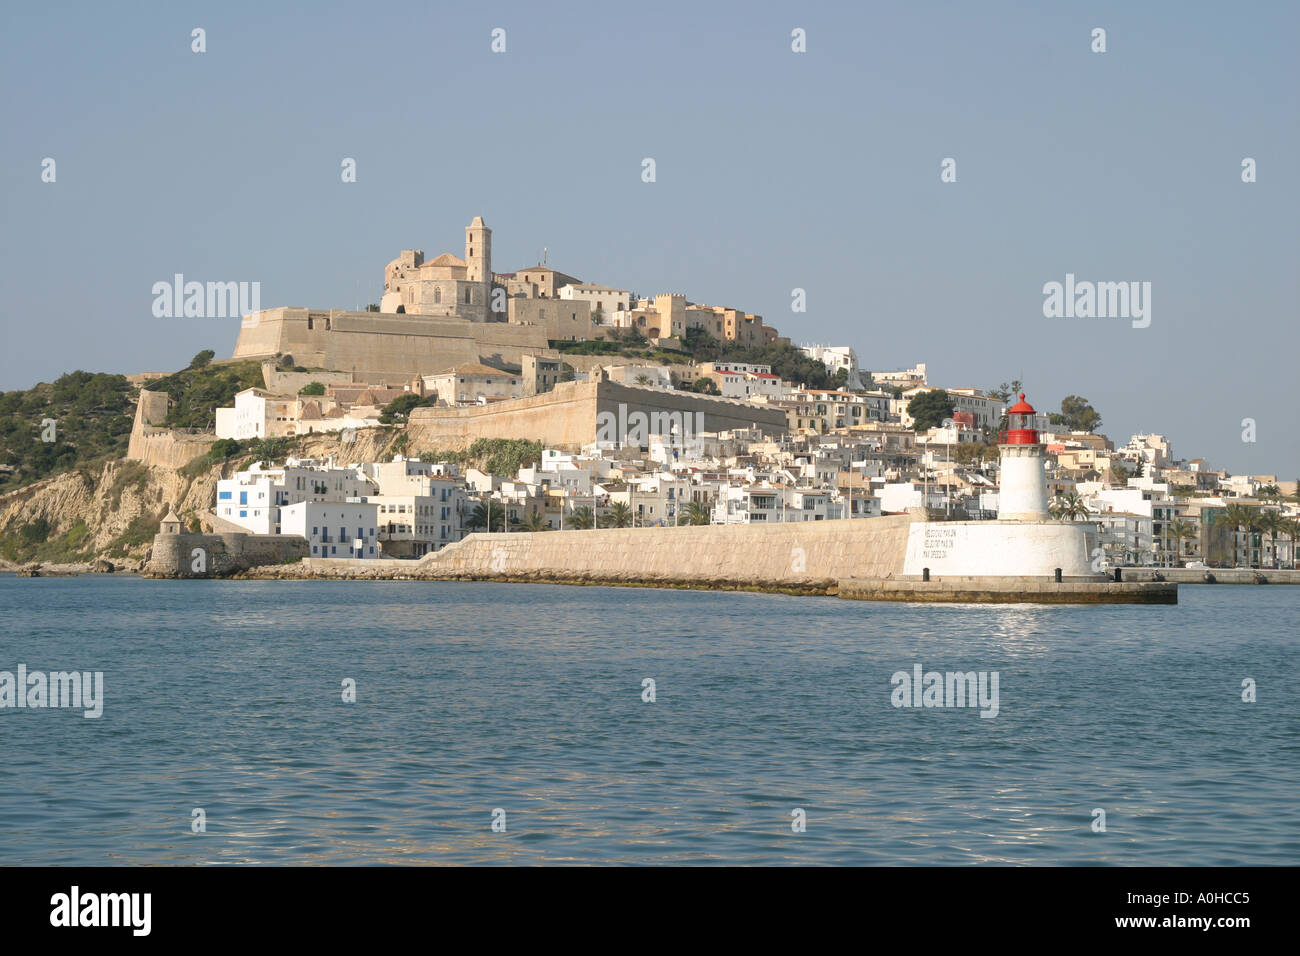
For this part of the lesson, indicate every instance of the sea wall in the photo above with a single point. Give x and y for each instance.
(804, 555)
(1008, 589)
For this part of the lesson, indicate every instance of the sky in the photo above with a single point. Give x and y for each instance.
(775, 170)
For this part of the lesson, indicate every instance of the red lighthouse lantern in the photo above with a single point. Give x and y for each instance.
(1020, 424)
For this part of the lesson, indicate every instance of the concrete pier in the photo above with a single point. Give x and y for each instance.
(1003, 589)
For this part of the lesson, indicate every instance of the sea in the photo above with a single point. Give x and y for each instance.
(362, 723)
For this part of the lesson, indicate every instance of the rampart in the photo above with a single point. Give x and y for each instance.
(381, 347)
(163, 447)
(219, 555)
(567, 416)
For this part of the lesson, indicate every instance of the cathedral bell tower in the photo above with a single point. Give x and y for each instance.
(478, 251)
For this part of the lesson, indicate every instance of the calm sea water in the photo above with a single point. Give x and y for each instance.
(227, 696)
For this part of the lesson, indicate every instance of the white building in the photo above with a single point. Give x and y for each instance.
(836, 357)
(604, 300)
(334, 529)
(255, 498)
(749, 504)
(260, 414)
(422, 505)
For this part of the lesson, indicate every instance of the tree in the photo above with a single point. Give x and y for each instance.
(1072, 506)
(1006, 391)
(223, 449)
(400, 408)
(486, 515)
(1270, 492)
(705, 386)
(582, 519)
(1180, 529)
(644, 380)
(697, 513)
(1272, 524)
(202, 359)
(1293, 532)
(970, 452)
(929, 409)
(536, 522)
(1076, 414)
(1238, 516)
(620, 516)
(312, 388)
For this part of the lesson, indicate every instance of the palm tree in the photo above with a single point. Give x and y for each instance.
(487, 515)
(535, 523)
(1179, 529)
(1072, 506)
(620, 516)
(643, 379)
(1272, 524)
(697, 513)
(582, 519)
(1293, 532)
(1270, 492)
(1237, 516)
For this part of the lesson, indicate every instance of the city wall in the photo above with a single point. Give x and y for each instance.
(567, 416)
(158, 446)
(383, 347)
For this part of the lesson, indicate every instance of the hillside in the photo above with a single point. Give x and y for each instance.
(79, 419)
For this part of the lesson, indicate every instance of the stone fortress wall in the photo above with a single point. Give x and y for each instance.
(155, 445)
(567, 416)
(224, 554)
(381, 347)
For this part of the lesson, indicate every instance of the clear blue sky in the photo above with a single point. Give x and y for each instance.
(775, 170)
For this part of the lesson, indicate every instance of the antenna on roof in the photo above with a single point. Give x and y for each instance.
(543, 255)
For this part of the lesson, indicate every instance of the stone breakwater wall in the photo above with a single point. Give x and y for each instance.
(1005, 589)
(1212, 575)
(806, 557)
(797, 556)
(219, 555)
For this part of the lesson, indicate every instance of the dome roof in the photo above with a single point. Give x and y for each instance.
(1021, 407)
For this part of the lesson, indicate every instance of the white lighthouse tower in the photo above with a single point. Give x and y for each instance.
(1022, 493)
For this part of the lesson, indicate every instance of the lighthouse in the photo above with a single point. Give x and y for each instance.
(1022, 495)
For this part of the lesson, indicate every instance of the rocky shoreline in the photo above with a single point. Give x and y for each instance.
(36, 569)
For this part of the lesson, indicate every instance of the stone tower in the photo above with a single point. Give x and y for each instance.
(478, 251)
(170, 524)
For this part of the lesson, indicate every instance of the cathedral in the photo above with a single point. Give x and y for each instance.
(448, 285)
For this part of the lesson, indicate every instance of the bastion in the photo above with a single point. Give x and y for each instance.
(177, 555)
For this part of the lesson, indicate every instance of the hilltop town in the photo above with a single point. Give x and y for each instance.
(468, 400)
